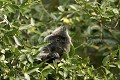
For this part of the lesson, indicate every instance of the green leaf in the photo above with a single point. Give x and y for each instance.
(22, 57)
(5, 1)
(47, 70)
(29, 57)
(15, 7)
(118, 64)
(86, 60)
(65, 55)
(106, 60)
(8, 53)
(2, 57)
(10, 8)
(32, 69)
(107, 71)
(61, 73)
(61, 8)
(55, 64)
(116, 11)
(74, 7)
(24, 27)
(16, 41)
(12, 32)
(27, 77)
(53, 67)
(65, 74)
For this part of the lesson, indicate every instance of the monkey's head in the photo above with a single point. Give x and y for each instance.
(60, 37)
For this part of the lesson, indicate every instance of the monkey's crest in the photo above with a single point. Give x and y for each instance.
(60, 31)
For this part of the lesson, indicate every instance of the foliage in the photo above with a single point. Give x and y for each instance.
(94, 29)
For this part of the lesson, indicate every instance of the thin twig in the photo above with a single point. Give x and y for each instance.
(116, 23)
(45, 9)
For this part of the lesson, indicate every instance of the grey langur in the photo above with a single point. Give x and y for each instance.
(59, 42)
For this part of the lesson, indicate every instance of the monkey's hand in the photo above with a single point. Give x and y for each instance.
(53, 56)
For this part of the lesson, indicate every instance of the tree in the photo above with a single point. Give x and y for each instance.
(93, 26)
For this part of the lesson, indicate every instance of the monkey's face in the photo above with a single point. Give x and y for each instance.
(57, 39)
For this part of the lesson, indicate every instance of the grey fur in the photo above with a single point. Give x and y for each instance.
(59, 43)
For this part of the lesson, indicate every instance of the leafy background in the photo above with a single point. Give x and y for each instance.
(93, 27)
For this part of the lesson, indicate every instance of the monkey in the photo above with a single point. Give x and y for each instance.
(59, 42)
